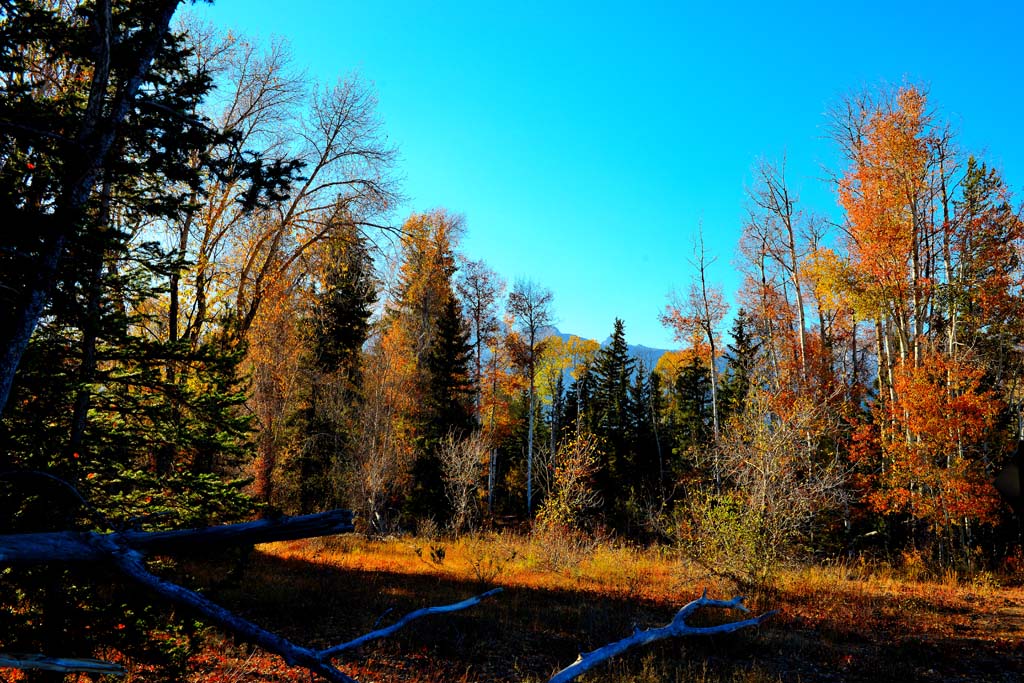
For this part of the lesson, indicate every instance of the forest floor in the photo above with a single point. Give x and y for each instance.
(845, 622)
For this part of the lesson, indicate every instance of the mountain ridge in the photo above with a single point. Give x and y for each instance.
(649, 355)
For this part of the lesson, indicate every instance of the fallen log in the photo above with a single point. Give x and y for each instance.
(77, 546)
(677, 627)
(60, 664)
(126, 550)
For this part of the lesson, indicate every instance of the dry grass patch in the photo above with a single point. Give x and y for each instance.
(852, 622)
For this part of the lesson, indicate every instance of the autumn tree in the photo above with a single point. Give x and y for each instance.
(424, 321)
(562, 359)
(480, 290)
(502, 385)
(699, 315)
(935, 473)
(885, 193)
(777, 246)
(573, 490)
(928, 244)
(529, 306)
(378, 470)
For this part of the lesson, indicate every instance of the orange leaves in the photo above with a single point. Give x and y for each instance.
(883, 194)
(702, 311)
(932, 453)
(941, 402)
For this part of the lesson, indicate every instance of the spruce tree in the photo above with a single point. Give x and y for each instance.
(98, 145)
(692, 394)
(612, 373)
(643, 448)
(741, 359)
(339, 326)
(449, 408)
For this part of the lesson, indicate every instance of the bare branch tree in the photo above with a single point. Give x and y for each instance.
(530, 307)
(699, 316)
(480, 288)
(782, 226)
(462, 469)
(382, 453)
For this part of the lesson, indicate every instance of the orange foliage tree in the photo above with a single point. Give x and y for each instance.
(935, 472)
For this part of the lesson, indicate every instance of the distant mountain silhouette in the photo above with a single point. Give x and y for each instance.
(647, 354)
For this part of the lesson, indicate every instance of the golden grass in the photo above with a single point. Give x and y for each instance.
(849, 621)
(845, 621)
(518, 562)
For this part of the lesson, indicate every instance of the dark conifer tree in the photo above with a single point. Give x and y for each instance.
(449, 407)
(693, 400)
(643, 447)
(98, 143)
(741, 359)
(449, 386)
(612, 373)
(338, 328)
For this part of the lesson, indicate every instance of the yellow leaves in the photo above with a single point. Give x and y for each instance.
(671, 363)
(838, 285)
(572, 355)
(830, 277)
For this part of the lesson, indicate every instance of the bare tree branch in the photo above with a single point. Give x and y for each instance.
(74, 546)
(132, 563)
(60, 664)
(401, 623)
(125, 550)
(677, 627)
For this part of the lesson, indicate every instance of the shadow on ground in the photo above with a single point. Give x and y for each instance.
(528, 634)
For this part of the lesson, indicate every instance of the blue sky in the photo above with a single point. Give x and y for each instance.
(585, 142)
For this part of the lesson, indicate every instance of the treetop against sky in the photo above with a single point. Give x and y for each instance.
(585, 143)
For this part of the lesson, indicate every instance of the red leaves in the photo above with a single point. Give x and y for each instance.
(933, 446)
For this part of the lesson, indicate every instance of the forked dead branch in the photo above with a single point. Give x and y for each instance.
(126, 551)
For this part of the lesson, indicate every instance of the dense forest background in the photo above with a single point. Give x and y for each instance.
(210, 310)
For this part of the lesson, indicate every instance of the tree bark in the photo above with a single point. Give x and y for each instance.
(74, 546)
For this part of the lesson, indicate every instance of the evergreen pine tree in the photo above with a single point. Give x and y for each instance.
(693, 400)
(339, 327)
(741, 359)
(449, 387)
(100, 144)
(449, 407)
(643, 448)
(612, 373)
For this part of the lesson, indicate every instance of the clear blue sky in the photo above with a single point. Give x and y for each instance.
(585, 142)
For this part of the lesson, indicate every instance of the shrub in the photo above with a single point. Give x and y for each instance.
(488, 557)
(731, 539)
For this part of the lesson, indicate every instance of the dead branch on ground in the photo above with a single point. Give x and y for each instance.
(677, 627)
(125, 550)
